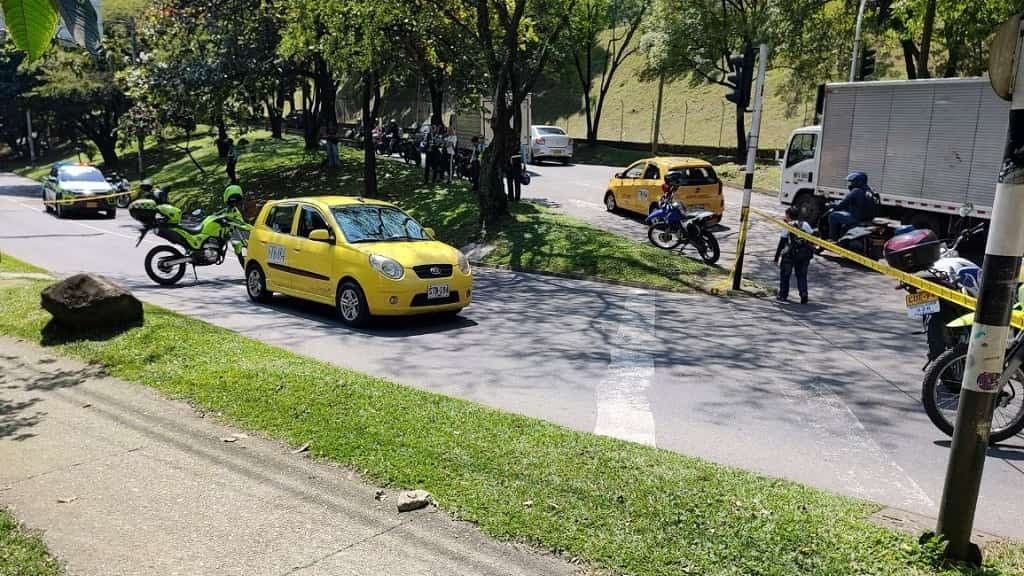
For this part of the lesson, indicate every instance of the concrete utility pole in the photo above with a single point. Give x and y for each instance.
(983, 375)
(855, 59)
(748, 175)
(657, 115)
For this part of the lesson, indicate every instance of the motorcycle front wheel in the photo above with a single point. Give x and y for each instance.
(123, 201)
(712, 251)
(664, 236)
(161, 273)
(940, 395)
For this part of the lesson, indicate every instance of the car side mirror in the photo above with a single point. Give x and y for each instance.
(430, 232)
(618, 175)
(321, 235)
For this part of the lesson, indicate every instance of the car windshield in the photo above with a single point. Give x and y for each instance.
(550, 130)
(81, 174)
(374, 223)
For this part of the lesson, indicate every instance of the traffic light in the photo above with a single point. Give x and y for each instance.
(741, 78)
(867, 64)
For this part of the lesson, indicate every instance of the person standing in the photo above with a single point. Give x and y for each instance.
(474, 162)
(513, 177)
(451, 141)
(793, 255)
(232, 162)
(331, 142)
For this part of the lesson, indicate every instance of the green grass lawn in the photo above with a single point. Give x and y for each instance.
(617, 505)
(11, 264)
(23, 553)
(534, 238)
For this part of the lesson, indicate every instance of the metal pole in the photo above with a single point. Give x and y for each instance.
(721, 125)
(986, 351)
(748, 176)
(856, 42)
(622, 112)
(686, 112)
(656, 135)
(31, 144)
(140, 138)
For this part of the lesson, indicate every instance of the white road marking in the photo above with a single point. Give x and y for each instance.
(623, 409)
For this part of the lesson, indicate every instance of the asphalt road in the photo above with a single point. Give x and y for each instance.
(824, 394)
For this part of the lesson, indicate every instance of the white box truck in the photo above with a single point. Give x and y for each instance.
(477, 122)
(932, 149)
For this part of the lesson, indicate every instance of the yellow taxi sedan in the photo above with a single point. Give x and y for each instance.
(365, 257)
(638, 187)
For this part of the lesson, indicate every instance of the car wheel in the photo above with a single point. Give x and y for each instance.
(609, 202)
(351, 304)
(59, 208)
(256, 284)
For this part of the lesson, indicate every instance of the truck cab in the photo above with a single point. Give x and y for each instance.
(800, 166)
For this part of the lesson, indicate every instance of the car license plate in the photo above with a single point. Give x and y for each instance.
(697, 207)
(437, 291)
(921, 304)
(556, 152)
(92, 204)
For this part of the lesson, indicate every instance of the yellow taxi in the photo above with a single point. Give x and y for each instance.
(365, 257)
(638, 187)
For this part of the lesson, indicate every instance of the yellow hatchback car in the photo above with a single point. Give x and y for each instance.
(638, 188)
(365, 257)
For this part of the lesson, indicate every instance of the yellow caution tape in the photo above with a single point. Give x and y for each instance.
(939, 290)
(85, 198)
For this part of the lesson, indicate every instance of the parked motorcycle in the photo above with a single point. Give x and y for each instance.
(464, 163)
(410, 151)
(670, 226)
(919, 251)
(203, 239)
(119, 184)
(940, 390)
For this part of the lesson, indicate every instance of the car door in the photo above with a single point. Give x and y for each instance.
(625, 193)
(312, 260)
(648, 188)
(276, 242)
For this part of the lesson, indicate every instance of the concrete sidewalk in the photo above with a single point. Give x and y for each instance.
(123, 481)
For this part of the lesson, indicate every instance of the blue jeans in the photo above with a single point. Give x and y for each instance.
(786, 269)
(836, 221)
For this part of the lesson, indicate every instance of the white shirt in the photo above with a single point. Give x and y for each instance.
(449, 143)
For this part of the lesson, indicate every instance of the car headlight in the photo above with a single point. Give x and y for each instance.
(388, 267)
(464, 266)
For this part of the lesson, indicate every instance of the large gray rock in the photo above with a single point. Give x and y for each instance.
(91, 301)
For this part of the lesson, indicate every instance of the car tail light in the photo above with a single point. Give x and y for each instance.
(539, 141)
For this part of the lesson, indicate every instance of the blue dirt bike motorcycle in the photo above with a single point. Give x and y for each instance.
(670, 226)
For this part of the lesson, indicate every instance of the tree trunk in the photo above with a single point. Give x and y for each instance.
(953, 48)
(741, 136)
(222, 137)
(369, 154)
(108, 149)
(910, 57)
(435, 85)
(493, 201)
(926, 40)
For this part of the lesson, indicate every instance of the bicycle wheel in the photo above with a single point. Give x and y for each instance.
(940, 394)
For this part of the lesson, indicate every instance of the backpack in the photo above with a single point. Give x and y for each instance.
(797, 248)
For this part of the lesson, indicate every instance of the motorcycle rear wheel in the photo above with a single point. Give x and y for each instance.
(164, 275)
(664, 236)
(124, 201)
(712, 251)
(940, 394)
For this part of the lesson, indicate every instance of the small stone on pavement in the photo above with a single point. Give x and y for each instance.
(413, 500)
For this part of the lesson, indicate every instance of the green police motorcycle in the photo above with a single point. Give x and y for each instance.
(203, 240)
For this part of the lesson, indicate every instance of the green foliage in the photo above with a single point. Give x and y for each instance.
(23, 553)
(31, 24)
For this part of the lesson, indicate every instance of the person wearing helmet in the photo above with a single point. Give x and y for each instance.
(857, 206)
(233, 197)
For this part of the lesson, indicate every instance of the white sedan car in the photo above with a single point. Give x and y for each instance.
(549, 143)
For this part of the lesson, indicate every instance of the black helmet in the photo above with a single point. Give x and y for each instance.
(146, 184)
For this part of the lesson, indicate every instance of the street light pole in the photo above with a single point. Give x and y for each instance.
(856, 42)
(135, 61)
(983, 380)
